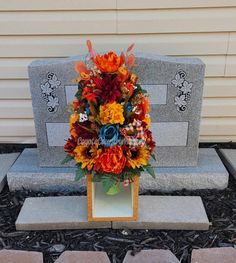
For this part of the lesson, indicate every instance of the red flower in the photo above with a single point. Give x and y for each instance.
(89, 94)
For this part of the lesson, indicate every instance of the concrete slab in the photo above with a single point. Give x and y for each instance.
(168, 212)
(210, 173)
(18, 256)
(6, 161)
(61, 212)
(214, 255)
(151, 256)
(229, 158)
(155, 212)
(83, 257)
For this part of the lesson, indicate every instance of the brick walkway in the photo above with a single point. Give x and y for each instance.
(208, 255)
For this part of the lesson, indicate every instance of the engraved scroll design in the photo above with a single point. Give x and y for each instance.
(48, 92)
(184, 87)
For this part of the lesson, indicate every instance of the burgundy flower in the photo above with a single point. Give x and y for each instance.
(84, 130)
(150, 143)
(70, 145)
(108, 88)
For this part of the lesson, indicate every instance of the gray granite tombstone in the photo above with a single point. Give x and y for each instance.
(175, 86)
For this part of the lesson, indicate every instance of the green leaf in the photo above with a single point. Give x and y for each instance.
(150, 170)
(80, 173)
(78, 94)
(96, 178)
(115, 189)
(153, 156)
(67, 159)
(107, 183)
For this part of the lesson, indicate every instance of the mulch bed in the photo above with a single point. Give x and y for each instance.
(220, 207)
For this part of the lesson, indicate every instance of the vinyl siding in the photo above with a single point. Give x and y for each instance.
(42, 29)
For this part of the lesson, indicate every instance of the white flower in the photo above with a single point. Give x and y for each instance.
(46, 89)
(54, 82)
(180, 101)
(52, 102)
(178, 81)
(83, 117)
(186, 87)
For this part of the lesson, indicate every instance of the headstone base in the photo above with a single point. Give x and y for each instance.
(155, 212)
(210, 173)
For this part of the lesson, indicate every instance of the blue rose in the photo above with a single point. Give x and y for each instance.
(129, 107)
(109, 135)
(87, 109)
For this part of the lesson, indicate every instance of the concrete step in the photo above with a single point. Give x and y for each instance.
(60, 212)
(83, 257)
(229, 158)
(155, 212)
(151, 256)
(18, 256)
(214, 255)
(6, 161)
(210, 173)
(168, 212)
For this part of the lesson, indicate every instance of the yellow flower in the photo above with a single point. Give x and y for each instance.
(111, 113)
(133, 78)
(147, 120)
(73, 119)
(87, 155)
(123, 71)
(137, 157)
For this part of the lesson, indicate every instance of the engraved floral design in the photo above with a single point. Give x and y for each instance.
(184, 90)
(48, 92)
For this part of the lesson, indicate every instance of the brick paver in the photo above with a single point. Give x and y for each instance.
(16, 256)
(214, 255)
(83, 257)
(151, 256)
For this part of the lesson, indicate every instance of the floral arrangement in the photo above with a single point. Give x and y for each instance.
(109, 122)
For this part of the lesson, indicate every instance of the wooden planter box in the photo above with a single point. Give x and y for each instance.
(120, 207)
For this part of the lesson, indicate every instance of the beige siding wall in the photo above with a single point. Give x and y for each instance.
(31, 29)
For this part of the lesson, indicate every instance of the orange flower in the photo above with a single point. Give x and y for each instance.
(112, 160)
(75, 104)
(142, 108)
(133, 78)
(130, 89)
(108, 63)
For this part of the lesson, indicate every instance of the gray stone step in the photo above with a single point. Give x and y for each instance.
(155, 212)
(60, 212)
(19, 256)
(168, 212)
(214, 255)
(229, 158)
(151, 256)
(6, 161)
(210, 173)
(83, 257)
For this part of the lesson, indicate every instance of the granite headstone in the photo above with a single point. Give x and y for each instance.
(175, 86)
